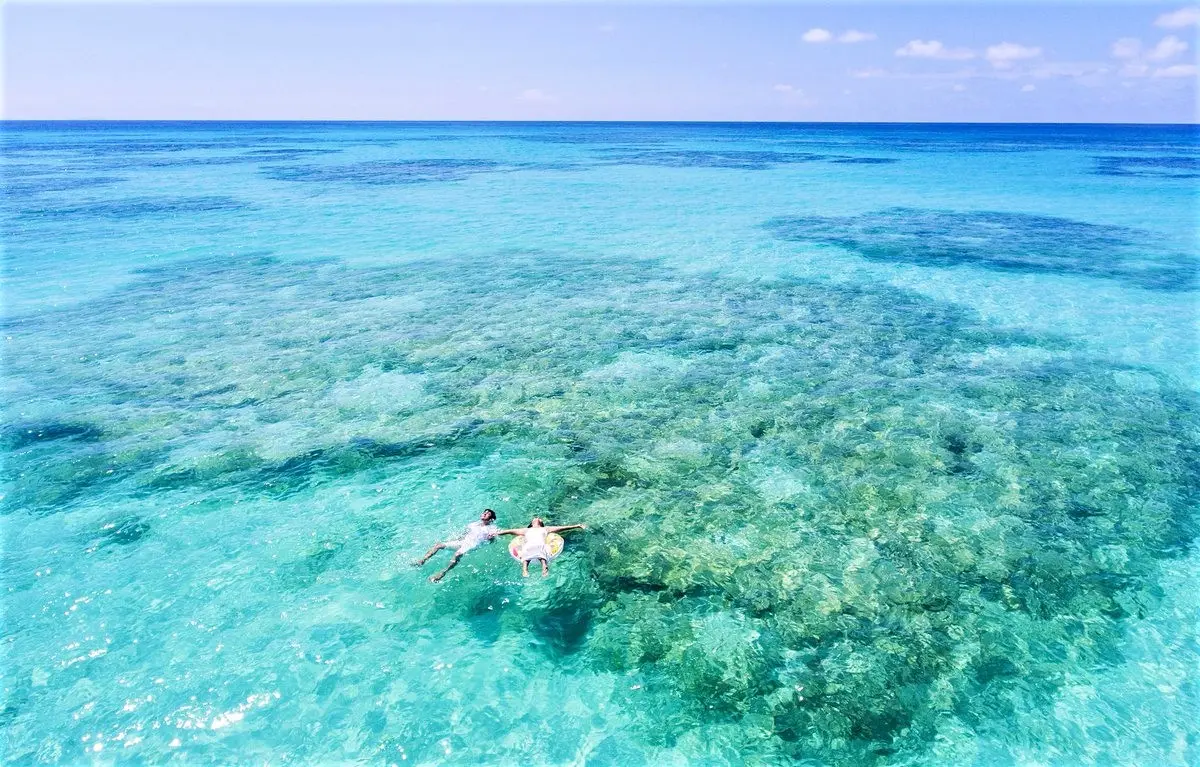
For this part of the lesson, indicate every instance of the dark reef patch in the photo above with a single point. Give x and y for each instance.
(247, 158)
(20, 435)
(563, 627)
(304, 571)
(405, 172)
(694, 158)
(1009, 242)
(627, 135)
(730, 159)
(991, 139)
(126, 531)
(47, 478)
(130, 209)
(385, 172)
(864, 160)
(19, 185)
(116, 142)
(293, 153)
(186, 162)
(1181, 167)
(282, 478)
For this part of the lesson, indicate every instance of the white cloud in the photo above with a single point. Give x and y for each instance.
(1168, 47)
(959, 87)
(1184, 17)
(818, 35)
(793, 96)
(609, 27)
(1177, 70)
(1135, 69)
(933, 49)
(1028, 88)
(854, 36)
(1003, 55)
(1136, 58)
(1071, 69)
(534, 96)
(1127, 48)
(960, 74)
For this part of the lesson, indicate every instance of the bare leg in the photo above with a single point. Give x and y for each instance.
(436, 548)
(449, 567)
(525, 568)
(545, 567)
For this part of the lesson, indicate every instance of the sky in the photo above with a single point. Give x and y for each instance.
(796, 61)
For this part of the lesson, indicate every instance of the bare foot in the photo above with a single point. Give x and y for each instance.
(436, 578)
(545, 571)
(525, 572)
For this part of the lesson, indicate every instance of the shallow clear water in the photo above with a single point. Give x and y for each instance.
(885, 437)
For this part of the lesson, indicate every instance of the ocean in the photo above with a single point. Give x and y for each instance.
(885, 437)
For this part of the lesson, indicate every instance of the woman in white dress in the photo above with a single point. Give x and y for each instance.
(535, 542)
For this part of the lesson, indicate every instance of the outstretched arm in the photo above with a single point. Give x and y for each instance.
(516, 531)
(560, 528)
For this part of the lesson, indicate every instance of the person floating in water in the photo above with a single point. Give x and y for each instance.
(478, 533)
(535, 546)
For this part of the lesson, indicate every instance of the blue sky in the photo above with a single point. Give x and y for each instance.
(1076, 62)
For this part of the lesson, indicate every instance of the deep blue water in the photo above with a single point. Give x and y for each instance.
(885, 435)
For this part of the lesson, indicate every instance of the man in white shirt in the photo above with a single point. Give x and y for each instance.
(478, 533)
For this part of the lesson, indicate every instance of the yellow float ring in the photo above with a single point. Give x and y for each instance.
(554, 544)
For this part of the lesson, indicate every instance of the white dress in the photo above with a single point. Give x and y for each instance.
(535, 544)
(477, 535)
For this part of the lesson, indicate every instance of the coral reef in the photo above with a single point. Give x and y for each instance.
(849, 522)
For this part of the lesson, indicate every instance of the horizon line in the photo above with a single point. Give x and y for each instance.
(345, 121)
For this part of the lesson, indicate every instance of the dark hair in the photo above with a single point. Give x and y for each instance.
(489, 511)
(539, 522)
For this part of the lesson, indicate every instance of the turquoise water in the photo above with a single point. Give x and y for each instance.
(886, 438)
